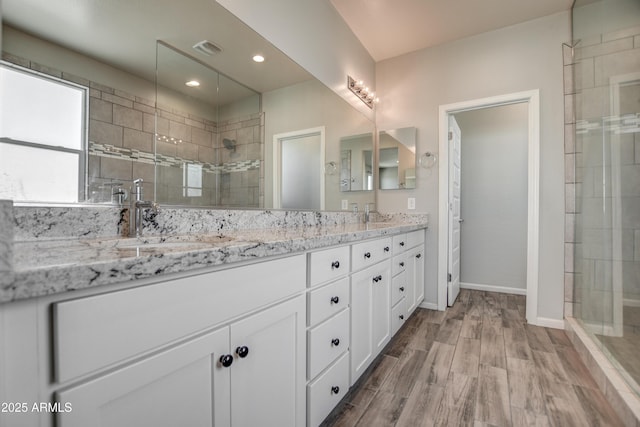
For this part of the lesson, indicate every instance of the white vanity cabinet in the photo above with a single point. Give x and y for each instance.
(328, 332)
(224, 348)
(370, 304)
(407, 287)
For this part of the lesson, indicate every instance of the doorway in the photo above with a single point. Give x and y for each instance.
(298, 163)
(447, 221)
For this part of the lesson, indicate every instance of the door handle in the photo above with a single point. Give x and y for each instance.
(461, 220)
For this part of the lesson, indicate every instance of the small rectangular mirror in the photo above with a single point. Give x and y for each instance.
(397, 159)
(356, 163)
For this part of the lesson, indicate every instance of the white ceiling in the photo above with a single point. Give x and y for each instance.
(389, 28)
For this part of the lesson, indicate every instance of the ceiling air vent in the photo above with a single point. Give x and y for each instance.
(207, 48)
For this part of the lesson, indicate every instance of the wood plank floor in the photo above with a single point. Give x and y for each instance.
(476, 364)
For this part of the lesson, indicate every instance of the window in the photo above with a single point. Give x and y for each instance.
(42, 137)
(192, 180)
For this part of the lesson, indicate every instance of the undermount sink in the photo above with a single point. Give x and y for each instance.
(165, 243)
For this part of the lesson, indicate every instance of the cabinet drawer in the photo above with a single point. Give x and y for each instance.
(328, 264)
(415, 238)
(399, 243)
(398, 287)
(398, 264)
(95, 332)
(327, 390)
(368, 253)
(327, 341)
(398, 315)
(327, 301)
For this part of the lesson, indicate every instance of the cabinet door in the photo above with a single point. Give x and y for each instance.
(415, 270)
(172, 388)
(268, 382)
(370, 316)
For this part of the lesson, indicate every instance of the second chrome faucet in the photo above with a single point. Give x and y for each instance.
(138, 204)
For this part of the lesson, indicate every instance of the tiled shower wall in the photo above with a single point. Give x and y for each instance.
(123, 146)
(589, 262)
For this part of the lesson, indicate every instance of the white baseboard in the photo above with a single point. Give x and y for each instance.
(429, 305)
(631, 302)
(550, 323)
(493, 288)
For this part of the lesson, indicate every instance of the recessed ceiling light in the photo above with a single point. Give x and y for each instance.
(193, 83)
(258, 58)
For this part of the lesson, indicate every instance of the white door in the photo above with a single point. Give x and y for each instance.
(299, 170)
(453, 285)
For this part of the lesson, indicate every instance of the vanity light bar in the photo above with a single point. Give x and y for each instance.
(361, 91)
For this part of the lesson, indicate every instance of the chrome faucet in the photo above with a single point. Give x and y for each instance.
(367, 213)
(135, 210)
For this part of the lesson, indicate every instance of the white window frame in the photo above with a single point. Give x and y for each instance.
(82, 152)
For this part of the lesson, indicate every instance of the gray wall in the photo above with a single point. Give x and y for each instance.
(494, 196)
(517, 58)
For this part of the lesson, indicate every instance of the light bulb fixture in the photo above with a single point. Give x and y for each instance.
(361, 91)
(193, 83)
(258, 58)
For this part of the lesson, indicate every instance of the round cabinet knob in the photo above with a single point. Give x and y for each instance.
(375, 279)
(335, 342)
(335, 389)
(402, 264)
(226, 360)
(367, 254)
(379, 278)
(401, 288)
(419, 256)
(401, 243)
(335, 264)
(335, 300)
(386, 248)
(402, 317)
(242, 351)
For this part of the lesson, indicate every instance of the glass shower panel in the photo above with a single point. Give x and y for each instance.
(606, 78)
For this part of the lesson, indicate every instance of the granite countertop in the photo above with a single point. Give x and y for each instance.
(49, 266)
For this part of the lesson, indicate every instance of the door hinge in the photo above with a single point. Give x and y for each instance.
(450, 135)
(449, 277)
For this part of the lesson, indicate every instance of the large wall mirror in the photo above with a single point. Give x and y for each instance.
(125, 66)
(397, 159)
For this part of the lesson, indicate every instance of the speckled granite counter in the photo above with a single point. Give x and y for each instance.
(185, 240)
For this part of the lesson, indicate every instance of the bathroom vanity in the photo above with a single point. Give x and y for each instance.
(242, 328)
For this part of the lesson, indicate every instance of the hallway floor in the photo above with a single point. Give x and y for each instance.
(477, 364)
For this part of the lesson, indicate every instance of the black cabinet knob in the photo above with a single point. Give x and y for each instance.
(401, 243)
(335, 341)
(401, 288)
(377, 278)
(226, 360)
(335, 300)
(386, 249)
(402, 264)
(242, 351)
(367, 254)
(402, 317)
(419, 256)
(335, 264)
(335, 389)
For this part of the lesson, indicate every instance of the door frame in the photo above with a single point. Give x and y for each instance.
(532, 98)
(277, 164)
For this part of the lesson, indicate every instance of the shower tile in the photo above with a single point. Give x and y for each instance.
(630, 180)
(107, 95)
(162, 112)
(179, 131)
(100, 110)
(116, 168)
(616, 64)
(166, 148)
(569, 228)
(254, 151)
(194, 122)
(144, 108)
(127, 117)
(187, 151)
(569, 139)
(569, 108)
(138, 140)
(145, 171)
(569, 168)
(201, 137)
(206, 155)
(627, 32)
(105, 133)
(605, 48)
(584, 74)
(631, 213)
